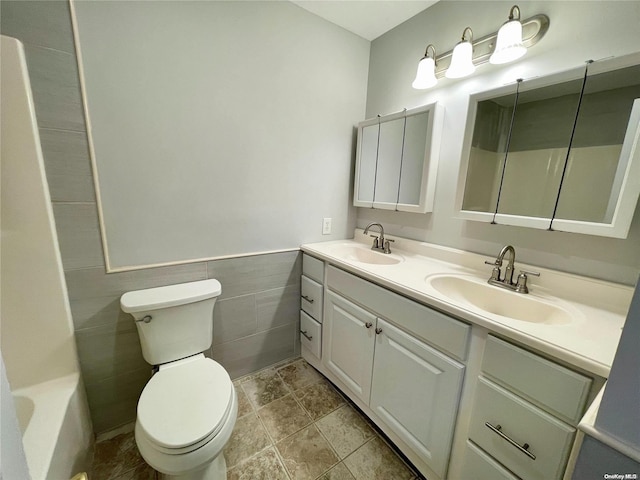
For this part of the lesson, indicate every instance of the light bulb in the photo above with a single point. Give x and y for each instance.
(461, 61)
(509, 45)
(426, 74)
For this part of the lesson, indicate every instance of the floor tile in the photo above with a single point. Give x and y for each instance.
(264, 466)
(306, 454)
(312, 429)
(376, 461)
(264, 388)
(141, 472)
(248, 438)
(319, 399)
(299, 374)
(244, 406)
(339, 472)
(283, 417)
(345, 429)
(116, 456)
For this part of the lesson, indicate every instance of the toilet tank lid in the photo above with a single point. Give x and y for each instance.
(169, 296)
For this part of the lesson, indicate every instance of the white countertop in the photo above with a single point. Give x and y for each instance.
(598, 308)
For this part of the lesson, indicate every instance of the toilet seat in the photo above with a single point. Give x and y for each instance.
(185, 404)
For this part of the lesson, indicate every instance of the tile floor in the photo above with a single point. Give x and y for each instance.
(292, 425)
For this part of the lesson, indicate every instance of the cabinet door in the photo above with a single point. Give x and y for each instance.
(367, 160)
(348, 344)
(415, 391)
(390, 143)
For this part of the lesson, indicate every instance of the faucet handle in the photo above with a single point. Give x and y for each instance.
(386, 245)
(375, 241)
(496, 262)
(526, 272)
(521, 285)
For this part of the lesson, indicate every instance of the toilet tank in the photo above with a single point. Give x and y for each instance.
(174, 321)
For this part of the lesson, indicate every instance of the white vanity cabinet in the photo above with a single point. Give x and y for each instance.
(311, 301)
(525, 411)
(371, 349)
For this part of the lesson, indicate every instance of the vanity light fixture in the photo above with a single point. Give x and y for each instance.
(509, 45)
(495, 46)
(462, 57)
(426, 75)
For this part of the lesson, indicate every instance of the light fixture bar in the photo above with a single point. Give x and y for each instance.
(533, 29)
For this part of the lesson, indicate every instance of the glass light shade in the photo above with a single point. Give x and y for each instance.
(426, 75)
(509, 45)
(461, 61)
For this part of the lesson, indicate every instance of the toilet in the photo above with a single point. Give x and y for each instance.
(188, 409)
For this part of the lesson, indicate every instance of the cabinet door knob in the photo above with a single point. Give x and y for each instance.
(378, 331)
(306, 297)
(368, 325)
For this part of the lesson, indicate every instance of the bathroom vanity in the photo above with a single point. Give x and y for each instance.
(468, 380)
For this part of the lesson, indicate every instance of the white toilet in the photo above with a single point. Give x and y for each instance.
(187, 411)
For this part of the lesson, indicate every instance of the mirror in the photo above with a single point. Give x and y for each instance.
(397, 159)
(558, 153)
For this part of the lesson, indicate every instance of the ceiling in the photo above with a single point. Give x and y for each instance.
(366, 18)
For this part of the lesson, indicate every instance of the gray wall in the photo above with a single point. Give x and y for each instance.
(219, 128)
(255, 322)
(578, 31)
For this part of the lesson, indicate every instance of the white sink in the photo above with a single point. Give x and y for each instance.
(496, 301)
(363, 254)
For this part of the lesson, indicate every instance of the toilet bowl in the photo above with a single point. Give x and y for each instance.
(186, 414)
(187, 410)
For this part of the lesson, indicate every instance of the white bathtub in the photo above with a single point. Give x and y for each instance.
(38, 345)
(55, 427)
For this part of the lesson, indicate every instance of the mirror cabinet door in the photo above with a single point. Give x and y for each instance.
(537, 150)
(487, 153)
(365, 179)
(389, 162)
(599, 160)
(416, 139)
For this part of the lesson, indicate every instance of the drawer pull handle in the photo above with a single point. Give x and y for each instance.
(304, 332)
(306, 297)
(523, 448)
(368, 324)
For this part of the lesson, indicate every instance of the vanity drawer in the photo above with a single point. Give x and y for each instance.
(311, 298)
(555, 388)
(310, 333)
(549, 439)
(313, 268)
(434, 327)
(480, 466)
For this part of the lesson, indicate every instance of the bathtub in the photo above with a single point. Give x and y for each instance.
(55, 427)
(38, 344)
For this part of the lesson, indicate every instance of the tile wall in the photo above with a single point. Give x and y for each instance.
(255, 319)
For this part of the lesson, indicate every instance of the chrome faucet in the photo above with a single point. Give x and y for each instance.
(379, 243)
(520, 286)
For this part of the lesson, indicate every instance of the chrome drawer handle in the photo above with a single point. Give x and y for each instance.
(304, 332)
(523, 448)
(310, 300)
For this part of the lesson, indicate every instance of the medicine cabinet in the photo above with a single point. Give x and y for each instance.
(558, 153)
(397, 160)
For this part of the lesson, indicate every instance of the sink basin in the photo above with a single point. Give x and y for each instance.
(496, 301)
(362, 254)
